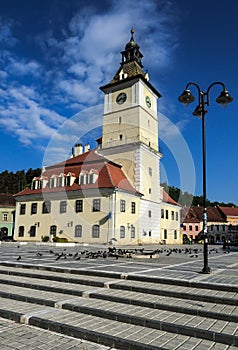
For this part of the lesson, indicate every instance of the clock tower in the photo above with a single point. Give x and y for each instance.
(130, 134)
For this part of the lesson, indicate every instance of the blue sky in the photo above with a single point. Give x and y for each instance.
(56, 54)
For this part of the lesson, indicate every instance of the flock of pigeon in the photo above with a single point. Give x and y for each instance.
(113, 252)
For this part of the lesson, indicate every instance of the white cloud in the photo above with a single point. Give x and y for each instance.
(85, 56)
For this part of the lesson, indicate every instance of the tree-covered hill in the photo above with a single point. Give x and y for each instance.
(11, 182)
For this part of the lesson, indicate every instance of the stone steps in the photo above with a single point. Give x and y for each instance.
(87, 307)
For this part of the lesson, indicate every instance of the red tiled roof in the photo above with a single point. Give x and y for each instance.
(195, 214)
(110, 175)
(168, 199)
(229, 211)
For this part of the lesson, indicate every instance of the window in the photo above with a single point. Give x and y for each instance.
(162, 213)
(120, 136)
(211, 227)
(165, 234)
(5, 216)
(119, 120)
(96, 205)
(133, 207)
(63, 207)
(23, 209)
(150, 171)
(218, 227)
(95, 231)
(133, 231)
(68, 180)
(122, 205)
(46, 207)
(78, 231)
(166, 214)
(190, 227)
(175, 234)
(196, 227)
(149, 213)
(122, 231)
(53, 230)
(149, 190)
(32, 231)
(176, 216)
(172, 215)
(21, 231)
(184, 227)
(79, 205)
(33, 208)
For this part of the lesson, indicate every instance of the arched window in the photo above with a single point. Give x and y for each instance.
(21, 231)
(78, 231)
(53, 229)
(122, 231)
(95, 231)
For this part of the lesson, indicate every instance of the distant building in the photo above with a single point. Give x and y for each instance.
(111, 193)
(7, 214)
(231, 214)
(218, 224)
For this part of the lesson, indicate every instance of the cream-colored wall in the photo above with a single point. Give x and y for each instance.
(66, 222)
(169, 224)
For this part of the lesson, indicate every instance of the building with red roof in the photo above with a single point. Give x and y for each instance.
(111, 193)
(222, 224)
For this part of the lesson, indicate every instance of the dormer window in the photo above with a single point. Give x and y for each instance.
(53, 181)
(61, 180)
(39, 182)
(69, 179)
(93, 176)
(83, 177)
(88, 177)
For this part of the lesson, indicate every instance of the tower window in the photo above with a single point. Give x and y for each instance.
(149, 213)
(119, 120)
(150, 171)
(120, 136)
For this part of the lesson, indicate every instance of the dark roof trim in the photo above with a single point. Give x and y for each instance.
(136, 78)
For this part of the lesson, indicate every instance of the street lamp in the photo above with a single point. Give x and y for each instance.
(203, 99)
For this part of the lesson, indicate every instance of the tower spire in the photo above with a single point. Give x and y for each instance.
(132, 51)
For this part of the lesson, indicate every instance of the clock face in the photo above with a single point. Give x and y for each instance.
(148, 101)
(121, 98)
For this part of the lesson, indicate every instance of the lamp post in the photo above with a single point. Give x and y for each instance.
(204, 99)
